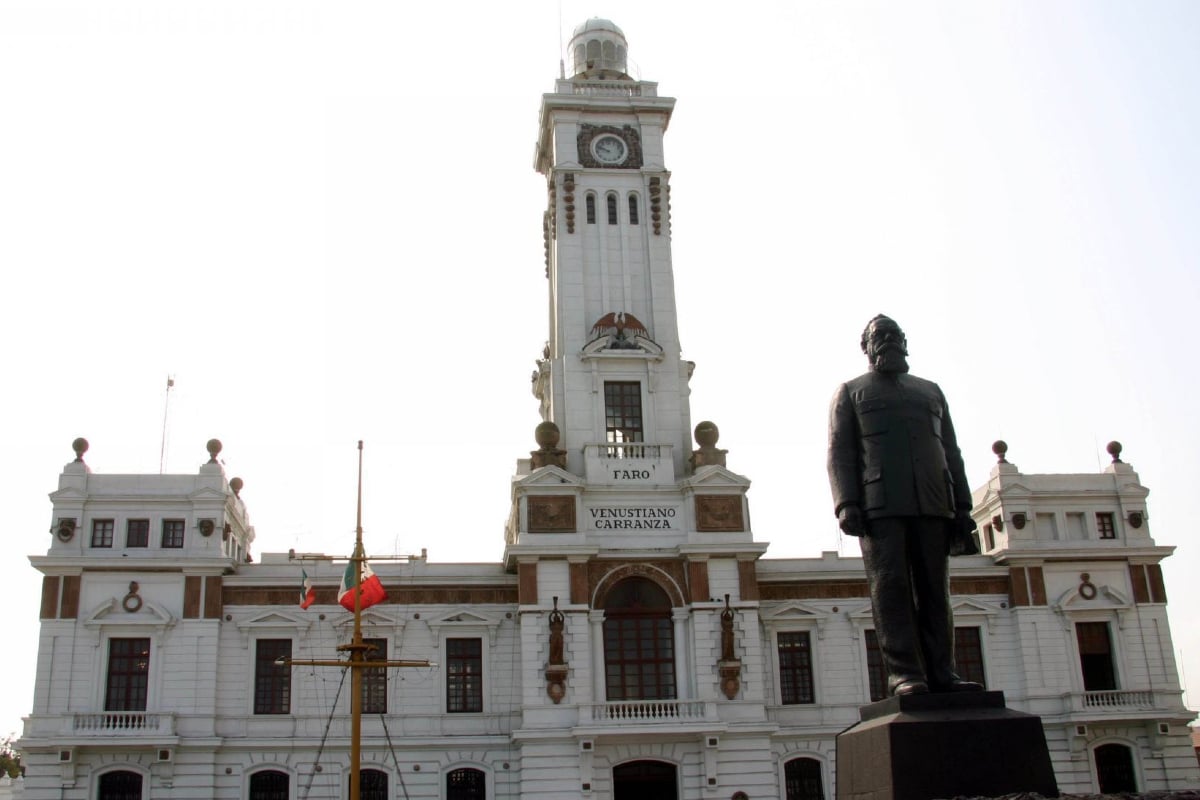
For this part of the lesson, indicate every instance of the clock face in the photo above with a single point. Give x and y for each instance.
(609, 149)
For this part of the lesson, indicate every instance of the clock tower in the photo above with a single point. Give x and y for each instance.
(611, 379)
(635, 562)
(615, 470)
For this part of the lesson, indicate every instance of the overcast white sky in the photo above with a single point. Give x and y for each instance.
(322, 219)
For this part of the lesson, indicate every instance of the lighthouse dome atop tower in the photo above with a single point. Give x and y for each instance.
(599, 50)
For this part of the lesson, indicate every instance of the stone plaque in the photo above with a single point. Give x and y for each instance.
(719, 513)
(552, 514)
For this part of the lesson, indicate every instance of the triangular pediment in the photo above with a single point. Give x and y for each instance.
(369, 619)
(1104, 597)
(208, 492)
(550, 476)
(465, 620)
(463, 616)
(131, 610)
(714, 476)
(969, 605)
(860, 614)
(275, 620)
(67, 493)
(794, 611)
(1015, 491)
(970, 610)
(797, 616)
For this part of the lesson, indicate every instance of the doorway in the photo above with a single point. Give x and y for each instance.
(645, 780)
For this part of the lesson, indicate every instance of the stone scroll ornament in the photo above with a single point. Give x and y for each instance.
(556, 669)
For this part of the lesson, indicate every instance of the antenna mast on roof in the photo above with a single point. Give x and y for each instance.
(562, 58)
(162, 450)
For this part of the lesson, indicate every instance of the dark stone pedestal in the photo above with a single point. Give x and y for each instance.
(924, 747)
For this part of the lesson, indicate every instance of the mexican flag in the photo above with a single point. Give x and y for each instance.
(371, 590)
(308, 592)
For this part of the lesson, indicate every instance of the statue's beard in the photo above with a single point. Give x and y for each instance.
(889, 360)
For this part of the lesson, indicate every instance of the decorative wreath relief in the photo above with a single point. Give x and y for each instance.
(131, 602)
(1087, 589)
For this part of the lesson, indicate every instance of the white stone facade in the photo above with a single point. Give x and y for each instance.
(687, 659)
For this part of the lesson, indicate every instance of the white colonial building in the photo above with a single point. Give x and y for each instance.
(634, 642)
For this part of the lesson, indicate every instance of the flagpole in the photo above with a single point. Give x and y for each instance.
(356, 646)
(358, 660)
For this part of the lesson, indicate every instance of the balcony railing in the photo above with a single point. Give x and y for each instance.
(635, 712)
(1118, 700)
(123, 723)
(625, 463)
(608, 88)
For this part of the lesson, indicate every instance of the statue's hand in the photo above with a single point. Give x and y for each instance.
(850, 520)
(960, 542)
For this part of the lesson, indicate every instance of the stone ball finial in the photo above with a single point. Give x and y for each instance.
(547, 435)
(214, 449)
(1000, 448)
(80, 446)
(707, 434)
(1114, 450)
(236, 485)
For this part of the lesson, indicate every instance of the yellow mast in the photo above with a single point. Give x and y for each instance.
(357, 649)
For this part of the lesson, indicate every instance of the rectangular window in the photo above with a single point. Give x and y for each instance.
(128, 674)
(172, 533)
(464, 675)
(102, 532)
(1096, 656)
(623, 417)
(795, 668)
(137, 533)
(1106, 525)
(374, 681)
(639, 655)
(272, 681)
(1047, 526)
(876, 674)
(968, 655)
(989, 541)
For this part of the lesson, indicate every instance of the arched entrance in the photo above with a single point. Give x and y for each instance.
(645, 780)
(1114, 769)
(119, 785)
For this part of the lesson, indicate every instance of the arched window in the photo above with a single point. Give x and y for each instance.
(466, 784)
(612, 208)
(633, 209)
(372, 784)
(1114, 769)
(802, 779)
(269, 785)
(119, 785)
(610, 53)
(639, 644)
(593, 50)
(591, 208)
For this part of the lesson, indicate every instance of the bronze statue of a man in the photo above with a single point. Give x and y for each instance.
(898, 483)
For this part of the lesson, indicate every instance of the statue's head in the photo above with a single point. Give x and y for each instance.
(885, 345)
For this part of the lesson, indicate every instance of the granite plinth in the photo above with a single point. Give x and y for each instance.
(923, 747)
